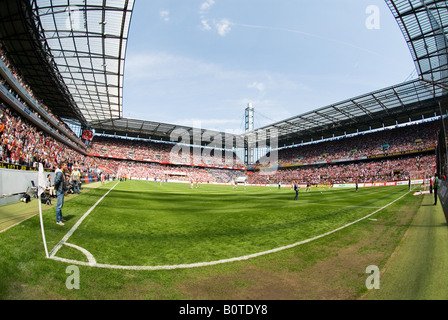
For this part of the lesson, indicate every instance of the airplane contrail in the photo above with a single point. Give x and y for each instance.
(311, 35)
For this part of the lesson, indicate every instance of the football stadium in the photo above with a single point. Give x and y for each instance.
(343, 202)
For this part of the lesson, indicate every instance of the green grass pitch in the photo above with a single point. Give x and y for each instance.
(144, 224)
(148, 224)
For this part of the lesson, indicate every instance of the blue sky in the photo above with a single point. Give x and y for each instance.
(200, 62)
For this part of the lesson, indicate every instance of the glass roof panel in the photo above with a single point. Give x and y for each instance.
(88, 40)
(424, 24)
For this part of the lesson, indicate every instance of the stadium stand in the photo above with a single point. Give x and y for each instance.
(23, 144)
(388, 155)
(412, 138)
(13, 83)
(119, 148)
(369, 171)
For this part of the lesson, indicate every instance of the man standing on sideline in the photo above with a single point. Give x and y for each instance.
(436, 187)
(60, 187)
(431, 185)
(76, 177)
(296, 189)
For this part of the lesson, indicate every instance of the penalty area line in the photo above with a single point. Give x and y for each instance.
(73, 229)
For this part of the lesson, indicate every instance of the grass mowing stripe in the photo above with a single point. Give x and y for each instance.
(15, 217)
(417, 269)
(338, 205)
(22, 219)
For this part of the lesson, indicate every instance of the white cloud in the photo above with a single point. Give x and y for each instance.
(165, 15)
(257, 85)
(205, 6)
(223, 26)
(205, 25)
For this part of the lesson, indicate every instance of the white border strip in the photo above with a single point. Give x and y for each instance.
(213, 263)
(15, 225)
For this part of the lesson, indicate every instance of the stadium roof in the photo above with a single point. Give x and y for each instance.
(88, 44)
(425, 27)
(29, 54)
(72, 54)
(166, 132)
(409, 101)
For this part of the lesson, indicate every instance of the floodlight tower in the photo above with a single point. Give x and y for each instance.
(250, 118)
(249, 147)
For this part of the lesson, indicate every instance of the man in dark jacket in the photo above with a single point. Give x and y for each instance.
(436, 188)
(60, 187)
(296, 189)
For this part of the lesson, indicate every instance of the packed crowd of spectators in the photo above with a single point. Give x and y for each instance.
(363, 172)
(158, 172)
(161, 152)
(403, 139)
(18, 77)
(22, 143)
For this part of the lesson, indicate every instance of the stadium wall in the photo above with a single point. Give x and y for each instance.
(442, 163)
(15, 181)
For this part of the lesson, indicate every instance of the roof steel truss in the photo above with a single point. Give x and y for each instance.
(88, 41)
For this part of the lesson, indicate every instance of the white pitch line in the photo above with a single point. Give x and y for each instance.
(336, 205)
(212, 263)
(89, 256)
(70, 233)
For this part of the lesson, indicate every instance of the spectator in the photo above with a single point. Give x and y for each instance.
(76, 179)
(60, 186)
